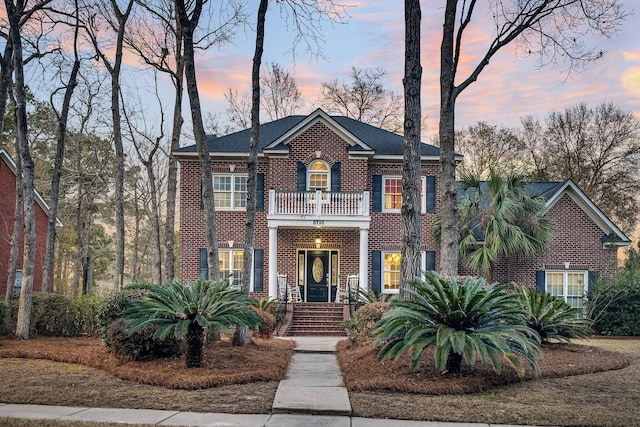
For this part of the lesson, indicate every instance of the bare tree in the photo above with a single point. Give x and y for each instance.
(147, 147)
(598, 148)
(486, 147)
(61, 135)
(116, 18)
(238, 109)
(411, 153)
(15, 14)
(156, 38)
(280, 94)
(364, 98)
(551, 30)
(189, 19)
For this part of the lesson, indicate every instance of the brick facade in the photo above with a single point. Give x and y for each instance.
(577, 239)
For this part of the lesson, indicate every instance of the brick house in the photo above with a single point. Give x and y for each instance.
(7, 211)
(329, 197)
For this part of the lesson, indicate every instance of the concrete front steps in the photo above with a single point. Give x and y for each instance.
(317, 319)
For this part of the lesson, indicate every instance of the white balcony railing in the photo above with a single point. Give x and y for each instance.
(319, 203)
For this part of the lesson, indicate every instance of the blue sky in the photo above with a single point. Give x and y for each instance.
(509, 88)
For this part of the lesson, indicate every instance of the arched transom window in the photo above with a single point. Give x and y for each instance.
(318, 176)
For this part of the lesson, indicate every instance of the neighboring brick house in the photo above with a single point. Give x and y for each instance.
(7, 212)
(582, 247)
(329, 198)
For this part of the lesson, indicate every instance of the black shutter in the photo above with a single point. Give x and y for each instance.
(540, 282)
(376, 271)
(203, 265)
(593, 279)
(260, 192)
(201, 201)
(258, 276)
(301, 180)
(335, 177)
(431, 193)
(431, 261)
(377, 193)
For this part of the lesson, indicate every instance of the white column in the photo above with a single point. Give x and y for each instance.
(364, 258)
(273, 262)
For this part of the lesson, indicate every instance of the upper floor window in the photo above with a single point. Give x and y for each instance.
(230, 191)
(392, 193)
(318, 176)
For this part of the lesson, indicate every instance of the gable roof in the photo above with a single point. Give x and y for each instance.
(276, 136)
(4, 155)
(552, 192)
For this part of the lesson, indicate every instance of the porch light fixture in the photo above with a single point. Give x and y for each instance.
(318, 242)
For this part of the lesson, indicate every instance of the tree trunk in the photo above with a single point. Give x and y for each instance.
(195, 342)
(449, 236)
(172, 178)
(240, 335)
(411, 205)
(47, 269)
(454, 362)
(8, 324)
(29, 255)
(188, 27)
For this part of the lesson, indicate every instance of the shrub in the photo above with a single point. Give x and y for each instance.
(113, 308)
(552, 317)
(464, 318)
(265, 304)
(59, 315)
(267, 326)
(142, 345)
(619, 309)
(361, 326)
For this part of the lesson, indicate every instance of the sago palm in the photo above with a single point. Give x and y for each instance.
(498, 219)
(464, 319)
(552, 317)
(187, 310)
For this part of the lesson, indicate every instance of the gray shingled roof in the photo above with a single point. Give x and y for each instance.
(381, 141)
(545, 189)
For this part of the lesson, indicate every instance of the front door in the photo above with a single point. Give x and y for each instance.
(317, 276)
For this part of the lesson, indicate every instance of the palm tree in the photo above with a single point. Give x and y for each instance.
(187, 310)
(464, 319)
(552, 317)
(499, 220)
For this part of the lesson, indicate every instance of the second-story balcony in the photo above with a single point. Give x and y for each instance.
(319, 207)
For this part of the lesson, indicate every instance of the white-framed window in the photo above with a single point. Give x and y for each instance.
(569, 285)
(391, 269)
(231, 262)
(391, 272)
(318, 176)
(230, 191)
(392, 193)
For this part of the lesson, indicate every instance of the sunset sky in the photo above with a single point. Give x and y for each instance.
(373, 37)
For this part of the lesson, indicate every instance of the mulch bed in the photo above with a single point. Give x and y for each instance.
(223, 364)
(362, 372)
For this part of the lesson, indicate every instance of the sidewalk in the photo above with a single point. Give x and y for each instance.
(174, 418)
(312, 395)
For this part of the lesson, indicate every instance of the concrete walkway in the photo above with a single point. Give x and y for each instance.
(313, 384)
(312, 395)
